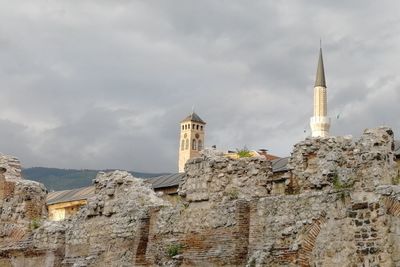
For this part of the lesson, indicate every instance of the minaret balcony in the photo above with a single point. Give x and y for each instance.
(320, 120)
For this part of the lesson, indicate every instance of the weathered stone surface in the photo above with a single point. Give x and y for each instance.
(22, 209)
(217, 178)
(338, 206)
(343, 162)
(12, 165)
(107, 232)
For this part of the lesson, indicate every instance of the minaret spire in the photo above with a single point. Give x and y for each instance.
(320, 123)
(320, 77)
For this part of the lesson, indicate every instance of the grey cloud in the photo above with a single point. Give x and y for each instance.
(103, 84)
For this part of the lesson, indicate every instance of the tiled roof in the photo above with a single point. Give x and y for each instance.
(70, 195)
(280, 165)
(194, 118)
(164, 181)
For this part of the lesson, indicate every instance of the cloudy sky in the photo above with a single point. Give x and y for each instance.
(104, 84)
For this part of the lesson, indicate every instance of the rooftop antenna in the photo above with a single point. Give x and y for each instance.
(320, 43)
(192, 109)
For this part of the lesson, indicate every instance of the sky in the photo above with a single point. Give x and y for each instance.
(104, 83)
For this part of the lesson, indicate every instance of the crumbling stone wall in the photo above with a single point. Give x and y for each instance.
(215, 178)
(334, 184)
(21, 200)
(22, 208)
(343, 162)
(107, 232)
(211, 223)
(12, 165)
(208, 235)
(339, 205)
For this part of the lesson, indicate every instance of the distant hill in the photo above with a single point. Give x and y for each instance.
(62, 179)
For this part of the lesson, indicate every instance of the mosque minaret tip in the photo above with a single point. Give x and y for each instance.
(320, 123)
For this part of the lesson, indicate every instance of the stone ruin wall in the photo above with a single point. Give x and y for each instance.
(22, 206)
(338, 206)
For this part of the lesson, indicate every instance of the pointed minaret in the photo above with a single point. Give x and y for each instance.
(320, 123)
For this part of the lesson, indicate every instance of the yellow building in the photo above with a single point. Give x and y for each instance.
(191, 139)
(63, 204)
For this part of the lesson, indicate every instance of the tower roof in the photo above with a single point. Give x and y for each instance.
(320, 79)
(194, 118)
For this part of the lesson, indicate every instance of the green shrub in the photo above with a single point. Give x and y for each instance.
(243, 153)
(337, 184)
(232, 193)
(35, 223)
(174, 249)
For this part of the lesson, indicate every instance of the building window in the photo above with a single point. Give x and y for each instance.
(183, 127)
(194, 147)
(187, 144)
(201, 128)
(200, 145)
(183, 144)
(197, 127)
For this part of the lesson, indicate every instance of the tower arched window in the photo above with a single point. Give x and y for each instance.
(183, 144)
(187, 144)
(199, 145)
(201, 128)
(194, 144)
(197, 127)
(183, 127)
(188, 126)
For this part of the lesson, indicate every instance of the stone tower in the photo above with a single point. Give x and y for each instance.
(320, 123)
(191, 139)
